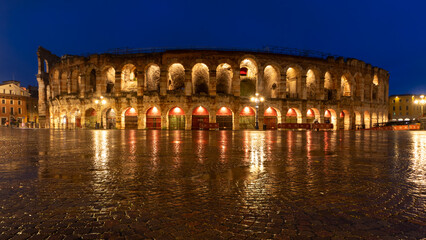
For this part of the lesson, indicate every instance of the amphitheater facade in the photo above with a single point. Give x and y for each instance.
(183, 89)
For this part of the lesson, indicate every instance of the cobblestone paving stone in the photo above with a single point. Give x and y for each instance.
(212, 185)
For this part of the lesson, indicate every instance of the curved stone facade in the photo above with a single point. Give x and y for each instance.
(183, 89)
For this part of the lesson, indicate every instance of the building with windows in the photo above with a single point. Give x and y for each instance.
(405, 107)
(13, 103)
(187, 88)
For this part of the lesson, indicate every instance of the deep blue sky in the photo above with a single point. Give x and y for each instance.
(387, 34)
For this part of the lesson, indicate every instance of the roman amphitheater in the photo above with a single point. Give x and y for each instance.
(184, 89)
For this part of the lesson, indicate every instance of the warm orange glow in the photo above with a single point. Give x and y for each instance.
(132, 110)
(247, 111)
(291, 113)
(310, 113)
(176, 111)
(223, 111)
(327, 114)
(200, 111)
(153, 112)
(270, 112)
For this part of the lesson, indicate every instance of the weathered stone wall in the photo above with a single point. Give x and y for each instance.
(351, 91)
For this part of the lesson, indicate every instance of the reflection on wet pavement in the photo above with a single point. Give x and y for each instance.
(212, 184)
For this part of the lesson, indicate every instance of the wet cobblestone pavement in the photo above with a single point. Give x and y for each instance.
(212, 185)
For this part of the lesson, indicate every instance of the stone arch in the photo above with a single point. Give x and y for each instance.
(46, 66)
(293, 115)
(293, 75)
(200, 115)
(129, 78)
(271, 75)
(153, 117)
(200, 78)
(330, 116)
(152, 76)
(312, 115)
(225, 118)
(224, 77)
(374, 119)
(129, 116)
(358, 120)
(75, 118)
(345, 120)
(367, 120)
(176, 118)
(108, 74)
(328, 81)
(312, 83)
(247, 117)
(64, 121)
(90, 118)
(271, 117)
(346, 86)
(248, 77)
(176, 77)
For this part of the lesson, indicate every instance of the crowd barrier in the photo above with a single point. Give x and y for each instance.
(319, 126)
(209, 126)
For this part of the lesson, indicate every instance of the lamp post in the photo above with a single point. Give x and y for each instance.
(99, 103)
(257, 99)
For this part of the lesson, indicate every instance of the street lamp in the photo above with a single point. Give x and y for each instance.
(257, 99)
(421, 102)
(99, 103)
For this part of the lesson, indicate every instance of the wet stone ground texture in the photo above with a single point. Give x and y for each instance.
(135, 184)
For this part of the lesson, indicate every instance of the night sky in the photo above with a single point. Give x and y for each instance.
(387, 34)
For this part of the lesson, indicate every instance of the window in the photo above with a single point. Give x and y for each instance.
(400, 108)
(11, 110)
(11, 101)
(20, 111)
(406, 107)
(3, 101)
(406, 113)
(19, 102)
(394, 108)
(3, 110)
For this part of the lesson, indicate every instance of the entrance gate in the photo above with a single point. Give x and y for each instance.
(153, 118)
(224, 118)
(176, 119)
(270, 118)
(247, 118)
(200, 115)
(131, 119)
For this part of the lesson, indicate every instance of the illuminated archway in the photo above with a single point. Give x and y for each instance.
(110, 117)
(131, 118)
(224, 78)
(292, 76)
(272, 79)
(129, 81)
(345, 120)
(248, 77)
(153, 118)
(374, 119)
(367, 120)
(224, 118)
(330, 116)
(90, 118)
(63, 81)
(176, 119)
(311, 84)
(358, 120)
(270, 118)
(176, 77)
(152, 83)
(247, 118)
(110, 79)
(200, 116)
(200, 79)
(345, 87)
(293, 116)
(312, 115)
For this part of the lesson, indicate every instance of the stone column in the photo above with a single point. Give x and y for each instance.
(282, 86)
(260, 83)
(236, 121)
(301, 87)
(117, 84)
(82, 85)
(236, 83)
(188, 82)
(320, 89)
(163, 82)
(141, 82)
(69, 84)
(212, 82)
(188, 121)
(42, 106)
(99, 84)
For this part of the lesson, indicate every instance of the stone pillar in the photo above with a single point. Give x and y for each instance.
(188, 121)
(42, 105)
(301, 87)
(69, 84)
(141, 82)
(141, 119)
(260, 112)
(163, 82)
(164, 122)
(188, 82)
(282, 86)
(260, 83)
(212, 82)
(236, 83)
(117, 84)
(82, 85)
(99, 84)
(236, 121)
(320, 89)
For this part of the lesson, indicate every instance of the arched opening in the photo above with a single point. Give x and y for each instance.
(74, 81)
(374, 119)
(367, 120)
(375, 80)
(152, 83)
(153, 118)
(200, 78)
(375, 86)
(270, 118)
(176, 78)
(291, 116)
(331, 117)
(272, 79)
(63, 82)
(345, 120)
(176, 119)
(200, 115)
(311, 84)
(358, 120)
(248, 77)
(46, 66)
(110, 119)
(291, 81)
(310, 116)
(247, 118)
(76, 118)
(110, 80)
(90, 118)
(346, 87)
(224, 118)
(328, 82)
(91, 83)
(131, 119)
(64, 120)
(224, 78)
(129, 81)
